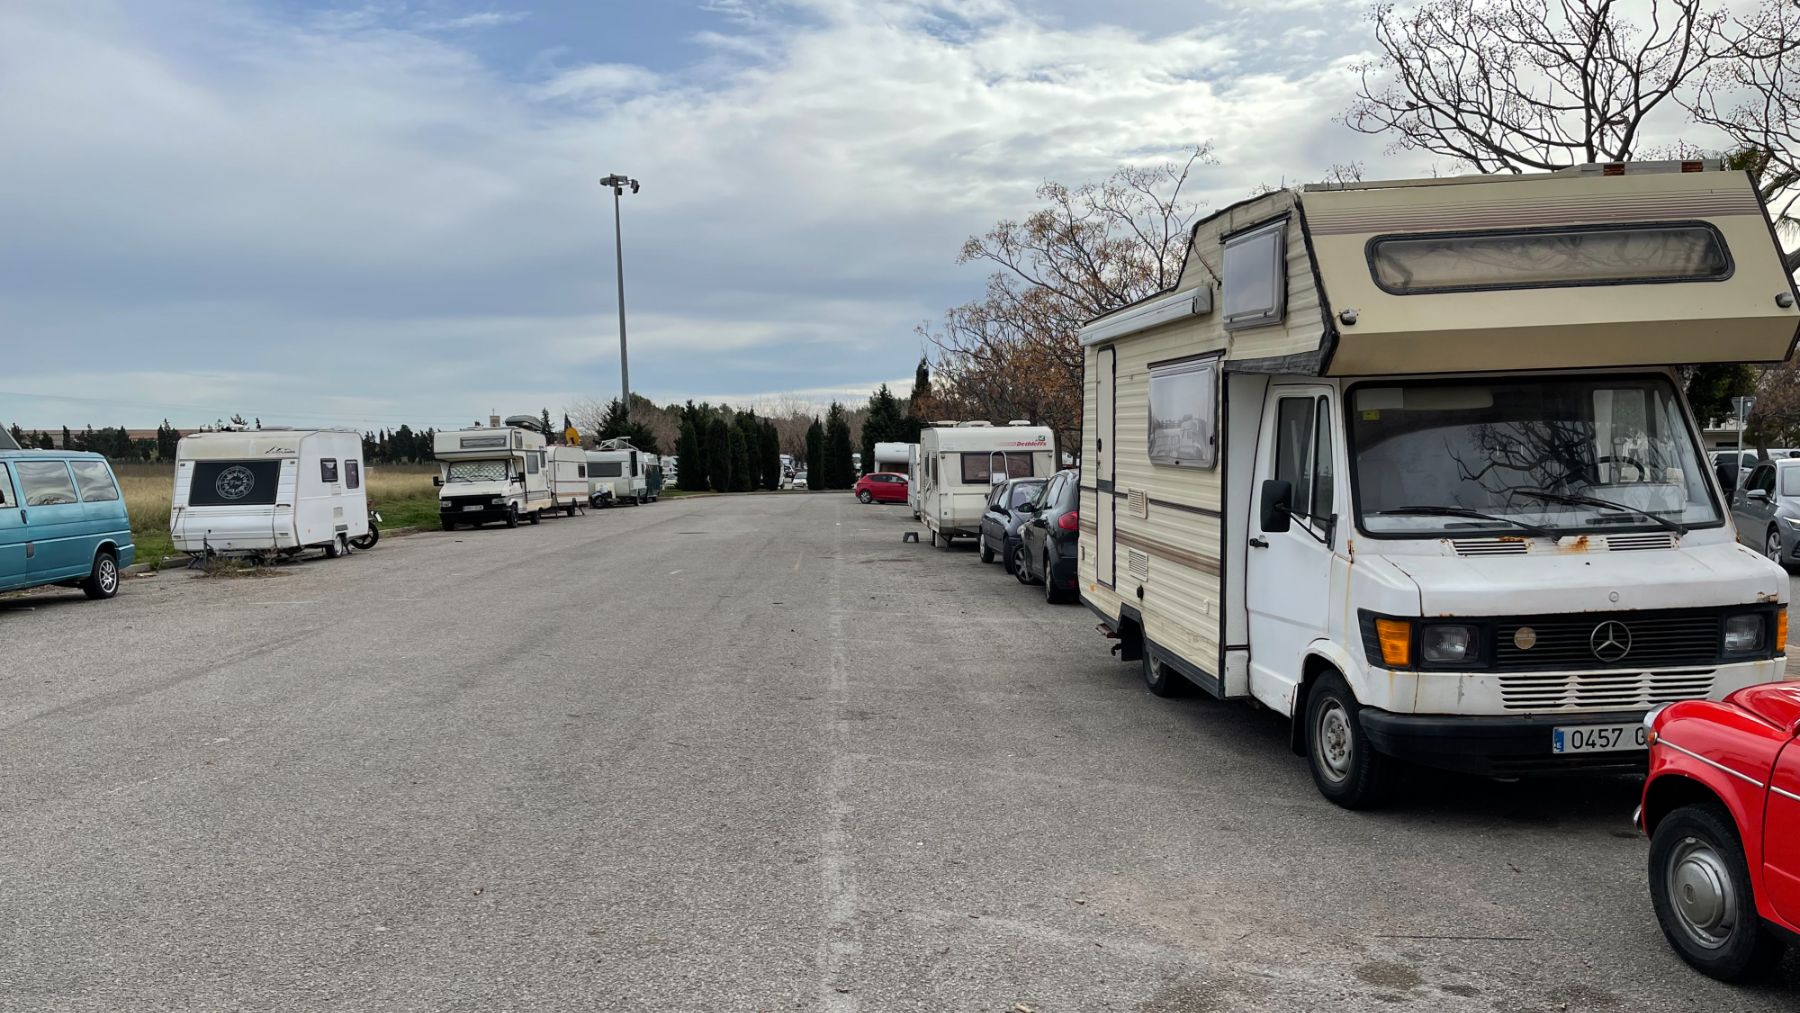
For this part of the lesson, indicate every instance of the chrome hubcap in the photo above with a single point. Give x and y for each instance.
(1774, 546)
(1699, 886)
(1332, 741)
(109, 575)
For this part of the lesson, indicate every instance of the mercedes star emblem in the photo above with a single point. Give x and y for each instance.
(1610, 641)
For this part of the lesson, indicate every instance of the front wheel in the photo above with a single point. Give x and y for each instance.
(1700, 888)
(865, 497)
(103, 577)
(1772, 545)
(1346, 768)
(512, 515)
(987, 552)
(449, 525)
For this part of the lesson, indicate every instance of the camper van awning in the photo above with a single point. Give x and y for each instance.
(1151, 312)
(1551, 271)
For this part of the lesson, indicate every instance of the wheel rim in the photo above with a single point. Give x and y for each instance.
(1700, 894)
(1333, 743)
(109, 574)
(1773, 546)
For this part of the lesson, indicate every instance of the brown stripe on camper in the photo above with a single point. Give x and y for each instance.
(1163, 550)
(1487, 216)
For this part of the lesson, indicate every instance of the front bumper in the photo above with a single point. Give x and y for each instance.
(458, 515)
(1503, 746)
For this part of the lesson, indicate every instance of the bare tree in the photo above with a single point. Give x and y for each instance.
(1752, 95)
(1516, 85)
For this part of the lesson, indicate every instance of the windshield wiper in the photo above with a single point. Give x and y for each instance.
(1594, 501)
(1450, 511)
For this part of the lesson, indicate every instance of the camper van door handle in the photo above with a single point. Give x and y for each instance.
(1259, 543)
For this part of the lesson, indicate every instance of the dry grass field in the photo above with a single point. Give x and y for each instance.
(402, 492)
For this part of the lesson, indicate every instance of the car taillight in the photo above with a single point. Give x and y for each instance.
(1069, 521)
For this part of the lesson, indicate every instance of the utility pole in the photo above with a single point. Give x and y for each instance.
(618, 182)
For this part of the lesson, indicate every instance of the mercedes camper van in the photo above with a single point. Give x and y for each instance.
(492, 473)
(959, 462)
(1410, 463)
(269, 492)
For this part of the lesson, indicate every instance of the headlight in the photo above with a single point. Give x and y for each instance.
(1444, 644)
(1792, 522)
(1743, 633)
(445, 504)
(498, 501)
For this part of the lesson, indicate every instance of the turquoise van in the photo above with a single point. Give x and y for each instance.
(62, 521)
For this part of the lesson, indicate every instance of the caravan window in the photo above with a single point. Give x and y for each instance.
(95, 480)
(1549, 258)
(976, 465)
(328, 471)
(1255, 282)
(352, 475)
(607, 469)
(1184, 414)
(581, 471)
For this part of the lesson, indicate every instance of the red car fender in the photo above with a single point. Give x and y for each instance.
(1706, 750)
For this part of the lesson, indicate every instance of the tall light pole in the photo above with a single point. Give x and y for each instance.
(619, 182)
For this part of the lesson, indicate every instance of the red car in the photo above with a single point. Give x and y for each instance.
(881, 487)
(1722, 808)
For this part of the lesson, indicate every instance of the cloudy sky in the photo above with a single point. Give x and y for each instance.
(373, 213)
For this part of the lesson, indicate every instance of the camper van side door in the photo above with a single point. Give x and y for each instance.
(12, 533)
(1287, 573)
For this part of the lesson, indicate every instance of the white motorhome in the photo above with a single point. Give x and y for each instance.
(620, 473)
(1409, 463)
(565, 470)
(960, 461)
(269, 492)
(492, 473)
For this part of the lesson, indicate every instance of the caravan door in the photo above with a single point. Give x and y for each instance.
(1107, 418)
(1288, 574)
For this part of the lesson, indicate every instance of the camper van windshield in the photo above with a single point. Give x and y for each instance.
(1571, 455)
(477, 471)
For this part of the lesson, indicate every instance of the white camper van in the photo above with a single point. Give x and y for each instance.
(620, 473)
(492, 473)
(1408, 462)
(960, 461)
(566, 470)
(269, 492)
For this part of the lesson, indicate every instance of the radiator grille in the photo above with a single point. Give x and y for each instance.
(1137, 564)
(1601, 690)
(1567, 642)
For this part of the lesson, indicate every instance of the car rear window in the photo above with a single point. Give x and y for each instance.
(95, 480)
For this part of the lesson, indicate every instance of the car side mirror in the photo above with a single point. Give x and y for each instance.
(1758, 494)
(437, 480)
(1276, 513)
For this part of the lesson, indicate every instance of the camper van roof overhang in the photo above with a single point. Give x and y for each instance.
(1147, 313)
(1728, 298)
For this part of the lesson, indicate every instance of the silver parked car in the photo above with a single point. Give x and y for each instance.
(1766, 509)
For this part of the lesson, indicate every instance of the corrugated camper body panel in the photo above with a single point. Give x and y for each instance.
(954, 465)
(566, 471)
(268, 490)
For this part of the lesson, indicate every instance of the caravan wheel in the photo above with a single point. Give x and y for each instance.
(336, 547)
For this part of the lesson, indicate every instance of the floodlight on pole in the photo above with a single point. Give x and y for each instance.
(618, 182)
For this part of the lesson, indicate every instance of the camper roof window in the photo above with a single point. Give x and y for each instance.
(476, 471)
(1549, 258)
(1255, 284)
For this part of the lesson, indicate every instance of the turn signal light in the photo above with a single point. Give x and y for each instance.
(1781, 630)
(1395, 636)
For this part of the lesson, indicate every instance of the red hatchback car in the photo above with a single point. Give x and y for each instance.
(1722, 808)
(881, 487)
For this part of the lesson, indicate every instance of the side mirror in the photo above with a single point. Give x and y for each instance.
(1277, 505)
(437, 480)
(519, 478)
(1758, 494)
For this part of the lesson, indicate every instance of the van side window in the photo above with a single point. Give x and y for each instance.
(328, 471)
(1324, 482)
(95, 480)
(46, 483)
(581, 471)
(5, 489)
(1295, 435)
(352, 475)
(531, 464)
(1184, 415)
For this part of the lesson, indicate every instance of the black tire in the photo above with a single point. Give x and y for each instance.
(536, 516)
(1160, 679)
(1693, 851)
(865, 497)
(367, 542)
(449, 525)
(1054, 595)
(571, 509)
(1345, 766)
(512, 515)
(1022, 565)
(103, 576)
(335, 547)
(987, 554)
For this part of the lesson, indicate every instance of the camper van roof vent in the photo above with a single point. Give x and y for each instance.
(976, 424)
(1019, 422)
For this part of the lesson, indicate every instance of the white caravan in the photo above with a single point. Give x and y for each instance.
(619, 473)
(894, 457)
(912, 478)
(960, 461)
(565, 469)
(1409, 463)
(269, 492)
(492, 473)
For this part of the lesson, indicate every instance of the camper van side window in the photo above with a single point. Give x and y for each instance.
(1295, 436)
(328, 471)
(5, 488)
(352, 475)
(1184, 415)
(1255, 283)
(531, 464)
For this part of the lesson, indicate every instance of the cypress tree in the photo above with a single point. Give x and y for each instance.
(771, 455)
(691, 463)
(741, 475)
(840, 470)
(718, 455)
(815, 455)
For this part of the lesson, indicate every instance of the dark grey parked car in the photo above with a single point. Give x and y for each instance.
(1005, 512)
(1766, 510)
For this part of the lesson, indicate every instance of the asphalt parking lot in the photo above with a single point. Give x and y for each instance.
(748, 753)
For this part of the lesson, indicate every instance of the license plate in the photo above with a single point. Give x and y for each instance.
(472, 507)
(1598, 738)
